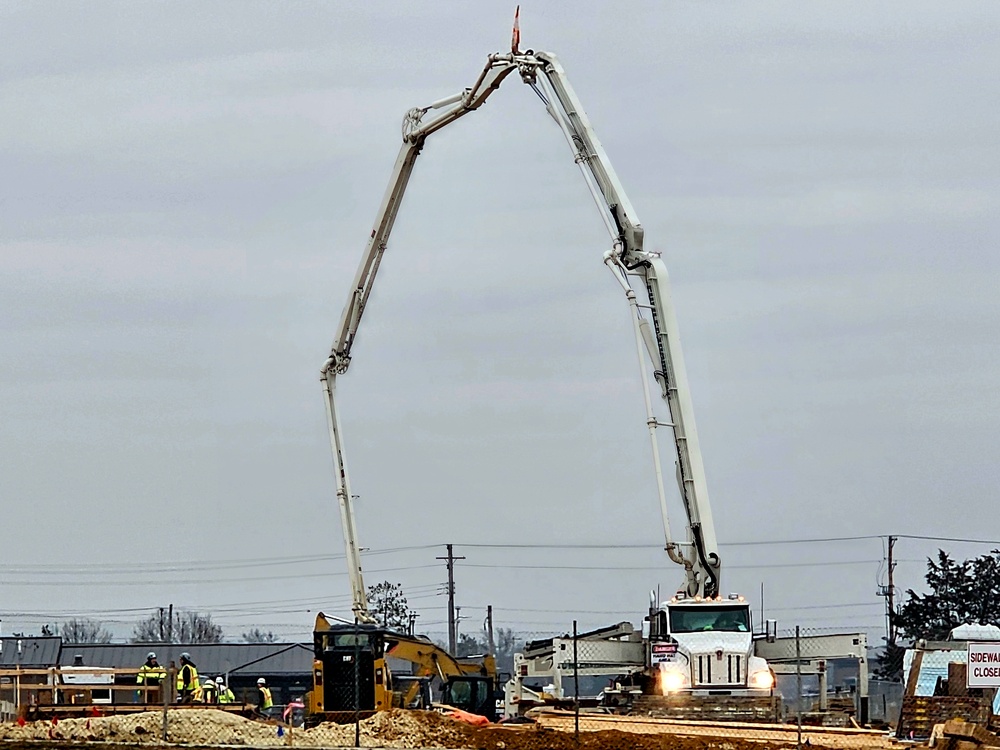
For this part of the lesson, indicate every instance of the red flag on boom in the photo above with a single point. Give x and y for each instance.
(515, 37)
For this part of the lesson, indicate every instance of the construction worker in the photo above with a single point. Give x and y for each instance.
(208, 691)
(264, 701)
(149, 676)
(225, 694)
(188, 687)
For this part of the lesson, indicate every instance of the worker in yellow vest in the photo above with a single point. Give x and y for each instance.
(223, 690)
(264, 701)
(150, 675)
(188, 686)
(208, 691)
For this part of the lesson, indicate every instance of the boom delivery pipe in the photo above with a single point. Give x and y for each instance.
(542, 71)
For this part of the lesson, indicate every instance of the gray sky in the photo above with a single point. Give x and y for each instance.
(187, 189)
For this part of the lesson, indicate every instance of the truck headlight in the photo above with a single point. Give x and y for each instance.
(762, 680)
(673, 681)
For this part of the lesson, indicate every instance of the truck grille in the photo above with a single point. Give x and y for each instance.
(720, 669)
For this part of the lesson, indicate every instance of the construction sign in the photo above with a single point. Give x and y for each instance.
(984, 665)
(662, 652)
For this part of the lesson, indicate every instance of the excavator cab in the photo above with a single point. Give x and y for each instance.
(349, 671)
(473, 693)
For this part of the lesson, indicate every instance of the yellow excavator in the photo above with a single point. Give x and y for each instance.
(352, 676)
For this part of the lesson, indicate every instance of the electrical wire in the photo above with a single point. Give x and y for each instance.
(826, 563)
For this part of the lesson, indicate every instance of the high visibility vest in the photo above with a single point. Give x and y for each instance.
(192, 686)
(266, 694)
(209, 693)
(226, 696)
(150, 675)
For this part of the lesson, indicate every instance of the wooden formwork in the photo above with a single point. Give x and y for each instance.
(920, 713)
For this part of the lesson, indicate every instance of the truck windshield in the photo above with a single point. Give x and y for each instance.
(691, 619)
(350, 639)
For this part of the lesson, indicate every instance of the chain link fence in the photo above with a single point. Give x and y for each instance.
(812, 690)
(573, 690)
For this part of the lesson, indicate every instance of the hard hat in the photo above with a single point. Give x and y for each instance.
(186, 656)
(151, 655)
(261, 681)
(219, 680)
(207, 681)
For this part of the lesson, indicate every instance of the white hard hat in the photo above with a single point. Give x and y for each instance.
(151, 655)
(219, 680)
(186, 656)
(207, 681)
(261, 681)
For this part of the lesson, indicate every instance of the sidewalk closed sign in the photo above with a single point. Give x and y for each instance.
(984, 665)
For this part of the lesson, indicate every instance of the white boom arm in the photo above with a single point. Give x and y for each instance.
(545, 75)
(415, 132)
(700, 556)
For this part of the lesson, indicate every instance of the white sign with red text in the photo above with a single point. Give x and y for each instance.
(984, 665)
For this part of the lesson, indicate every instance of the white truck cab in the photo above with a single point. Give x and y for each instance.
(705, 645)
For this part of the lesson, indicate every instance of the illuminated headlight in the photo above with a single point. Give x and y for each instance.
(762, 680)
(672, 681)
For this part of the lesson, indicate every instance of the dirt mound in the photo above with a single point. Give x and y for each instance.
(397, 728)
(391, 729)
(207, 726)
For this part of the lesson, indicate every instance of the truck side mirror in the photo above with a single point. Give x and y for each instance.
(770, 630)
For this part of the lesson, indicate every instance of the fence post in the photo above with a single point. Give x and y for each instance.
(798, 688)
(167, 689)
(576, 686)
(357, 686)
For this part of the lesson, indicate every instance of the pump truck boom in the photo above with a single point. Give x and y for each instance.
(541, 70)
(656, 336)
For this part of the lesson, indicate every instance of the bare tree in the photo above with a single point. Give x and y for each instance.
(388, 605)
(259, 636)
(187, 627)
(80, 630)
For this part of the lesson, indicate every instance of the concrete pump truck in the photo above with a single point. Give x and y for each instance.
(699, 642)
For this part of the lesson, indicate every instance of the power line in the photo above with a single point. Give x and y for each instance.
(956, 540)
(575, 611)
(193, 566)
(649, 545)
(204, 581)
(825, 563)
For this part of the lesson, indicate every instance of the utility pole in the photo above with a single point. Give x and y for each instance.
(489, 630)
(452, 622)
(888, 592)
(890, 598)
(170, 625)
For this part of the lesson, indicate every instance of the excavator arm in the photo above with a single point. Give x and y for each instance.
(430, 660)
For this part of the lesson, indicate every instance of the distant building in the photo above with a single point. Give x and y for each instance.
(287, 667)
(935, 656)
(24, 653)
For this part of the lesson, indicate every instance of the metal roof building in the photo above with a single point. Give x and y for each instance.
(259, 659)
(29, 653)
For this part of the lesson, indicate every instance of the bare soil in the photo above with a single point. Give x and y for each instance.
(390, 729)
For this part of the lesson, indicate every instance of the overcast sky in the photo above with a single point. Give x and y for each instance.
(187, 188)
